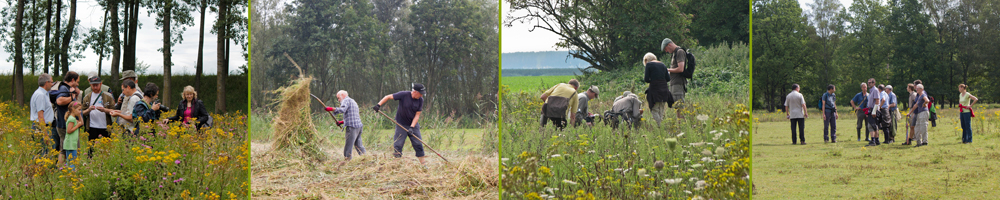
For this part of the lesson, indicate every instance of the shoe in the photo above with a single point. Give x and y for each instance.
(859, 139)
(906, 143)
(794, 143)
(834, 141)
(826, 141)
(803, 143)
(923, 144)
(866, 140)
(871, 144)
(918, 145)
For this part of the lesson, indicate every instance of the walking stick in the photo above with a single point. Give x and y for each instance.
(414, 136)
(330, 112)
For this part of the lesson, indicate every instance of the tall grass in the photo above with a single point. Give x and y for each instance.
(172, 163)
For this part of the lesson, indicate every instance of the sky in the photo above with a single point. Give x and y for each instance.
(149, 39)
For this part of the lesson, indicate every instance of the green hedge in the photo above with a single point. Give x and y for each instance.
(236, 88)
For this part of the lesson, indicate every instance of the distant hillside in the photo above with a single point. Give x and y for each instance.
(541, 60)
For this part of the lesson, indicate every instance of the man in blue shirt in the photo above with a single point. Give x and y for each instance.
(830, 115)
(892, 112)
(42, 114)
(858, 103)
(411, 103)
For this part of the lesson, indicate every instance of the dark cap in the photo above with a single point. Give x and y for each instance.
(94, 80)
(419, 88)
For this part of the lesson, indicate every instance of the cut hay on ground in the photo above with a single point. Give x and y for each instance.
(376, 175)
(293, 128)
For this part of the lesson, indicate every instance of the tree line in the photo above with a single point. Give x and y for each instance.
(44, 37)
(376, 47)
(941, 42)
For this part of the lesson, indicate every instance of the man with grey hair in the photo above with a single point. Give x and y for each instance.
(677, 82)
(858, 103)
(352, 122)
(628, 107)
(795, 112)
(874, 106)
(920, 115)
(42, 114)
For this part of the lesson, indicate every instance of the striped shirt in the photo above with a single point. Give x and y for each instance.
(350, 110)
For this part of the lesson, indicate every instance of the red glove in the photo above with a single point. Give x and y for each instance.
(340, 123)
(328, 109)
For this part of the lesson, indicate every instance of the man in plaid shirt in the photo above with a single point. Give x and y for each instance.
(352, 121)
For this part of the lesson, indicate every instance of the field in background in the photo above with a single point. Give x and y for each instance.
(945, 169)
(532, 83)
(472, 173)
(236, 88)
(543, 72)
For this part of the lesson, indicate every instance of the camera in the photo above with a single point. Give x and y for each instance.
(163, 108)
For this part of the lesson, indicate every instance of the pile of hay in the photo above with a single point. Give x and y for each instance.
(293, 127)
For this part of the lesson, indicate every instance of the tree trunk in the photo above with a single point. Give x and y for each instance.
(115, 41)
(222, 68)
(48, 29)
(133, 26)
(19, 54)
(167, 6)
(70, 26)
(58, 51)
(201, 47)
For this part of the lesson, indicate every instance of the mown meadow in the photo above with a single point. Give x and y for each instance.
(706, 155)
(172, 163)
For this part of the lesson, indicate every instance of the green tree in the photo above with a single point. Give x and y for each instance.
(779, 31)
(718, 21)
(170, 14)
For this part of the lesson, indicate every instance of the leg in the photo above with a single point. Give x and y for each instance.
(543, 121)
(861, 123)
(398, 140)
(59, 143)
(419, 147)
(966, 119)
(349, 136)
(792, 122)
(678, 92)
(802, 131)
(826, 126)
(833, 126)
(358, 144)
(657, 111)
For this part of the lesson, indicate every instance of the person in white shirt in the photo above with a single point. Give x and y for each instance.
(795, 111)
(42, 114)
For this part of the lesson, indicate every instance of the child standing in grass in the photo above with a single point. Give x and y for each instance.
(72, 140)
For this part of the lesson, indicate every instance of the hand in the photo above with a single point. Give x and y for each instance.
(120, 99)
(590, 123)
(329, 109)
(836, 115)
(115, 113)
(376, 107)
(340, 123)
(156, 106)
(823, 117)
(164, 121)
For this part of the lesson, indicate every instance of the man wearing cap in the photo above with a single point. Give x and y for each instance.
(677, 82)
(582, 114)
(558, 102)
(127, 75)
(131, 96)
(411, 103)
(95, 97)
(352, 122)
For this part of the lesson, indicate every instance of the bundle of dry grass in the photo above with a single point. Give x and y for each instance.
(293, 128)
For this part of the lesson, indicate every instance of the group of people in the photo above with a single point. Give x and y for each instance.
(876, 108)
(65, 110)
(411, 104)
(666, 88)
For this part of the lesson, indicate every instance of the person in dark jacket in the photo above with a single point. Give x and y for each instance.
(191, 108)
(658, 93)
(148, 109)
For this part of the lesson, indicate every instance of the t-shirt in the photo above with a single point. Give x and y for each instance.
(913, 97)
(72, 139)
(965, 99)
(919, 105)
(97, 118)
(128, 104)
(885, 98)
(582, 104)
(859, 100)
(679, 56)
(892, 100)
(61, 109)
(564, 90)
(831, 101)
(796, 104)
(873, 96)
(408, 107)
(40, 102)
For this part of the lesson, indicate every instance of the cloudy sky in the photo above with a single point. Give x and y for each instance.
(149, 39)
(517, 38)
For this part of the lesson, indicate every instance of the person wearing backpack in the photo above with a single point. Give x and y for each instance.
(67, 93)
(148, 109)
(124, 116)
(96, 122)
(677, 81)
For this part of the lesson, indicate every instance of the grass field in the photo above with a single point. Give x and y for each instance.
(945, 169)
(525, 83)
(471, 173)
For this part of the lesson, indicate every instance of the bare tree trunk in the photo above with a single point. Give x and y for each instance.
(70, 26)
(222, 68)
(167, 6)
(19, 54)
(100, 55)
(48, 29)
(201, 47)
(133, 26)
(115, 41)
(58, 51)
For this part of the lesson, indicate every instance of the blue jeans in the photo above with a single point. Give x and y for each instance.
(70, 157)
(966, 126)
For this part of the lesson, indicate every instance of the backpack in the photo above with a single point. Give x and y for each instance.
(689, 65)
(54, 92)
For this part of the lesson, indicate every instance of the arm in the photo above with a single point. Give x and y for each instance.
(73, 126)
(974, 99)
(545, 95)
(822, 109)
(202, 113)
(384, 99)
(62, 101)
(177, 115)
(415, 119)
(645, 76)
(41, 118)
(678, 69)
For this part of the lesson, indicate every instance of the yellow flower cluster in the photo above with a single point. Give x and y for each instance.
(148, 155)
